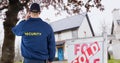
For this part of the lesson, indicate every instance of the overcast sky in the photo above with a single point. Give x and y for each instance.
(97, 17)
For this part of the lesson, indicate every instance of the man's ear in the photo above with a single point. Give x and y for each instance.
(39, 12)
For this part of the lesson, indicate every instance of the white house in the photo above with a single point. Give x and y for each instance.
(73, 27)
(116, 31)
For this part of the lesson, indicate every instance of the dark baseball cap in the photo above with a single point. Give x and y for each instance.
(35, 8)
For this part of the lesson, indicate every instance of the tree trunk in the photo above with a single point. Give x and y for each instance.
(8, 45)
(8, 52)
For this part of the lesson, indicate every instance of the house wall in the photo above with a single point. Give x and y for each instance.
(116, 49)
(116, 16)
(66, 35)
(65, 52)
(116, 43)
(84, 30)
(56, 37)
(63, 35)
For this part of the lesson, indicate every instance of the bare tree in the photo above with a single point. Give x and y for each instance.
(15, 6)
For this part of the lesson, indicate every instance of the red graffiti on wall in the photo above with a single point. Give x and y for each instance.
(87, 51)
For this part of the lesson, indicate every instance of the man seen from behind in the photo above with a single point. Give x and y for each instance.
(38, 43)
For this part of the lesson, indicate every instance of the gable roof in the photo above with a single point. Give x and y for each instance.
(68, 23)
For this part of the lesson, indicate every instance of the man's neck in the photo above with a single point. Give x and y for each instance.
(34, 16)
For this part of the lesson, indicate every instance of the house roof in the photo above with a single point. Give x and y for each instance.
(68, 23)
(58, 43)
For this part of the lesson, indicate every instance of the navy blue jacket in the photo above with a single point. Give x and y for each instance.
(37, 39)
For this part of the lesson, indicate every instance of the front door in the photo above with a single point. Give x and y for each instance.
(60, 54)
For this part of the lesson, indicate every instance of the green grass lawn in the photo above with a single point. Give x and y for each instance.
(113, 61)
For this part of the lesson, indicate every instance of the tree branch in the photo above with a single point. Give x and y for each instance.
(13, 2)
(24, 4)
(3, 4)
(4, 7)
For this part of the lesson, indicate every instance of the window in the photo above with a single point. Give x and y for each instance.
(75, 33)
(59, 35)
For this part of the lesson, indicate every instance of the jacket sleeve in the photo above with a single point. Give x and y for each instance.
(51, 46)
(17, 30)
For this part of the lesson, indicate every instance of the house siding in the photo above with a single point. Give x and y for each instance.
(64, 35)
(116, 31)
(84, 30)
